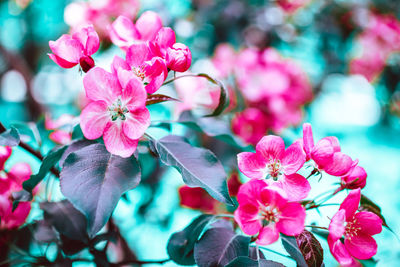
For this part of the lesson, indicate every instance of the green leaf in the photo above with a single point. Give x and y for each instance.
(9, 137)
(49, 161)
(94, 181)
(181, 244)
(199, 167)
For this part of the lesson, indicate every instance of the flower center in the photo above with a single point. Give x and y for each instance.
(139, 72)
(269, 214)
(117, 110)
(274, 169)
(352, 228)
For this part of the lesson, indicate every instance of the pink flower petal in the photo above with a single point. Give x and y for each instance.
(355, 178)
(136, 123)
(340, 164)
(61, 62)
(148, 25)
(369, 222)
(247, 218)
(296, 187)
(134, 94)
(89, 39)
(123, 32)
(350, 203)
(271, 147)
(293, 159)
(118, 63)
(68, 49)
(273, 197)
(5, 153)
(116, 142)
(94, 119)
(20, 172)
(308, 140)
(291, 220)
(268, 235)
(156, 72)
(322, 153)
(337, 225)
(250, 192)
(251, 165)
(101, 85)
(340, 253)
(124, 77)
(361, 246)
(137, 54)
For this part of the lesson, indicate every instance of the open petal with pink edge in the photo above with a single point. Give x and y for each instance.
(117, 142)
(295, 186)
(67, 48)
(148, 25)
(340, 253)
(271, 146)
(268, 235)
(250, 192)
(247, 218)
(340, 164)
(308, 139)
(291, 219)
(369, 222)
(337, 225)
(361, 246)
(61, 62)
(136, 123)
(252, 165)
(89, 39)
(350, 203)
(293, 159)
(94, 119)
(101, 85)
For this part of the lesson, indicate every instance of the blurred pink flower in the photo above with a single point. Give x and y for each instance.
(62, 128)
(10, 182)
(116, 110)
(251, 125)
(266, 212)
(224, 60)
(291, 6)
(357, 229)
(278, 166)
(123, 32)
(70, 50)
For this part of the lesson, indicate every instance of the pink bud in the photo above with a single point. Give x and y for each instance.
(179, 57)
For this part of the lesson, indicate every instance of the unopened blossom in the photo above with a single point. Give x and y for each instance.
(264, 211)
(11, 181)
(152, 71)
(177, 55)
(357, 229)
(277, 165)
(326, 153)
(355, 178)
(123, 32)
(70, 50)
(116, 110)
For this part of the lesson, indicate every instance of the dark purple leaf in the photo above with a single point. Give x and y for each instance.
(253, 253)
(219, 246)
(290, 244)
(74, 146)
(44, 232)
(94, 180)
(248, 262)
(181, 244)
(66, 219)
(158, 98)
(310, 249)
(199, 167)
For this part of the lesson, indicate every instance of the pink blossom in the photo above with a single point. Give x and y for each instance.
(355, 178)
(123, 32)
(195, 93)
(326, 153)
(5, 153)
(70, 50)
(10, 182)
(278, 166)
(250, 125)
(266, 212)
(139, 61)
(116, 110)
(357, 228)
(177, 56)
(224, 60)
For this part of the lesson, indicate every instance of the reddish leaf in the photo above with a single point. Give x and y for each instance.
(310, 248)
(158, 98)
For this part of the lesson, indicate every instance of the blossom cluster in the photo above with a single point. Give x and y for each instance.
(379, 39)
(270, 203)
(274, 89)
(11, 181)
(116, 101)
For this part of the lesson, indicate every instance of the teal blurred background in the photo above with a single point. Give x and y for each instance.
(361, 114)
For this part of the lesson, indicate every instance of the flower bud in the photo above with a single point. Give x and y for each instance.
(179, 57)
